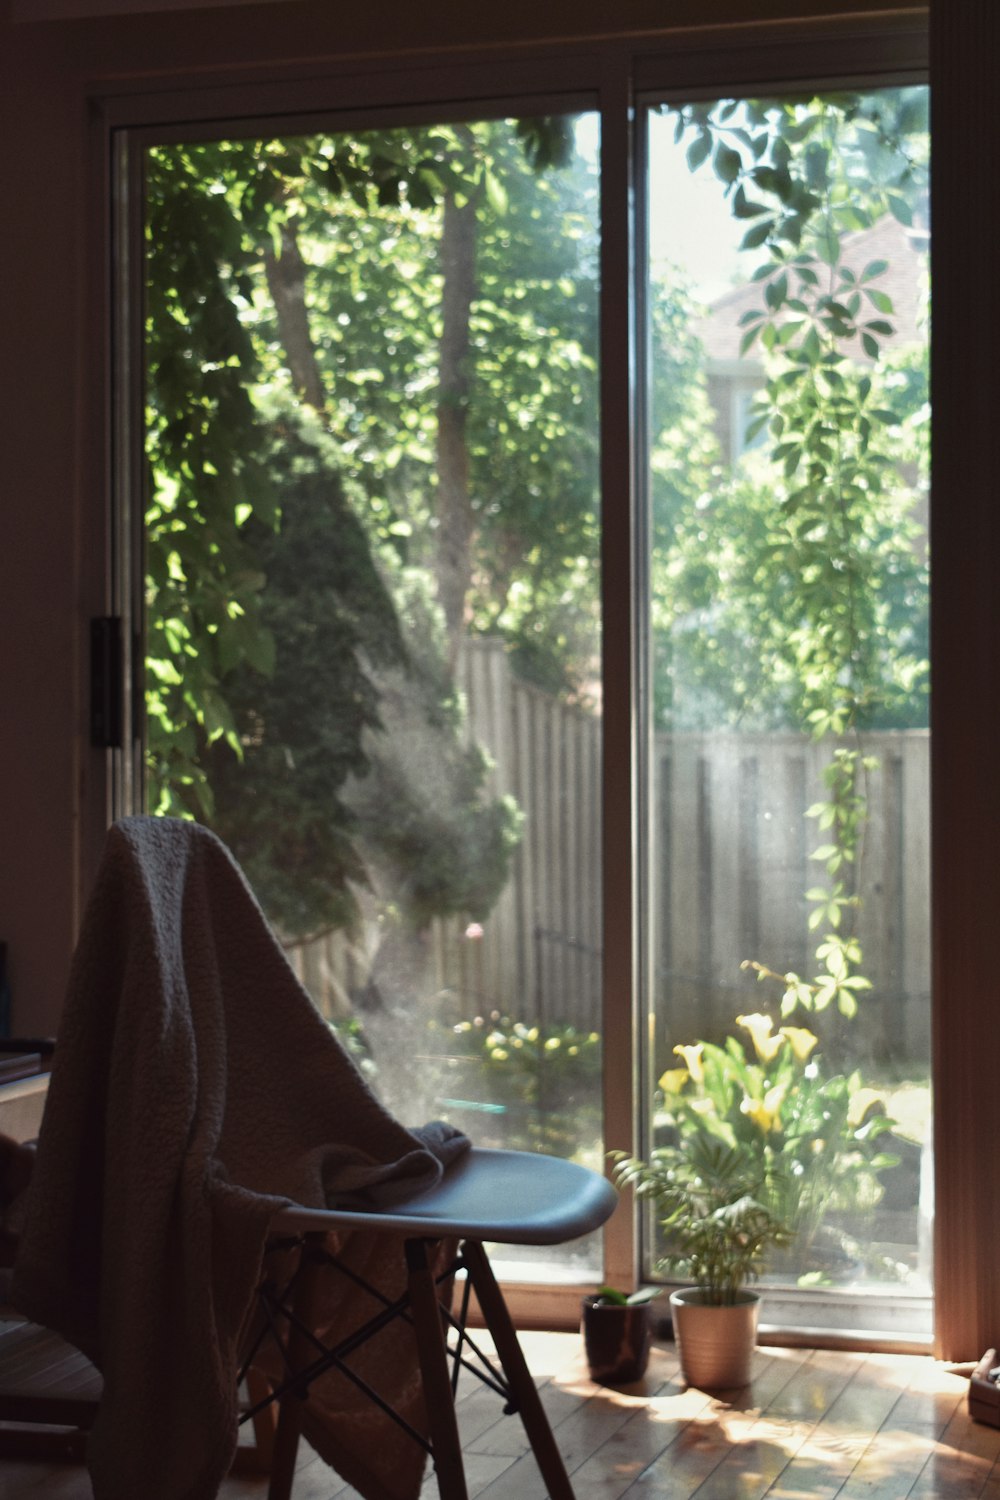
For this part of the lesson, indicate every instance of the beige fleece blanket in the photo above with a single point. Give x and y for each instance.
(195, 1090)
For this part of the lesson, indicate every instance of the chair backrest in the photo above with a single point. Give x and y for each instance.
(22, 1104)
(49, 1392)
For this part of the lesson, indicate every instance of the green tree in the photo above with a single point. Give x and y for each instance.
(314, 272)
(519, 280)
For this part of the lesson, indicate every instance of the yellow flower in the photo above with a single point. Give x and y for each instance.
(800, 1040)
(861, 1101)
(759, 1027)
(764, 1112)
(692, 1056)
(673, 1080)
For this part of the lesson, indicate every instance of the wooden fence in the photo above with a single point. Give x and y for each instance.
(729, 872)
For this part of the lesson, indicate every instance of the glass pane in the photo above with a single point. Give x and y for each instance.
(372, 589)
(788, 846)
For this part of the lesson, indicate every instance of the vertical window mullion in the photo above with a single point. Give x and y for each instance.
(125, 790)
(619, 673)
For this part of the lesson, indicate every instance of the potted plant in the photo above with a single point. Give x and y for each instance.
(717, 1230)
(617, 1330)
(811, 1137)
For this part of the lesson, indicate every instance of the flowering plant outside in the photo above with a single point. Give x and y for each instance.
(543, 1081)
(809, 1137)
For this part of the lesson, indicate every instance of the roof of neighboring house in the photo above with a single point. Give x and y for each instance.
(905, 281)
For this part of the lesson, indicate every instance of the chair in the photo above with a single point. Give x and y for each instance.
(506, 1197)
(48, 1390)
(218, 1196)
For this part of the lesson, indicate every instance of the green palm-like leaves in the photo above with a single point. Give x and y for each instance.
(716, 1224)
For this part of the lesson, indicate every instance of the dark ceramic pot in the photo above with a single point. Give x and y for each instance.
(616, 1340)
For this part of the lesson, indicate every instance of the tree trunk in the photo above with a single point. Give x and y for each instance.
(454, 506)
(286, 280)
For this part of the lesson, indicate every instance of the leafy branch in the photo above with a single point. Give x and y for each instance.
(805, 174)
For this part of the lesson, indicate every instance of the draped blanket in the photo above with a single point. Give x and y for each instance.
(195, 1091)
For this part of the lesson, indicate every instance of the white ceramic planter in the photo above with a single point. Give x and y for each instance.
(715, 1344)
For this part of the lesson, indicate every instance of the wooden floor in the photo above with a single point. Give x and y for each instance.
(812, 1424)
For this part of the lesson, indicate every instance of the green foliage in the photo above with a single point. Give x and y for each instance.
(808, 1136)
(794, 594)
(269, 621)
(615, 1298)
(350, 1034)
(205, 446)
(763, 1148)
(841, 817)
(794, 590)
(284, 552)
(374, 287)
(352, 762)
(310, 722)
(436, 842)
(717, 1229)
(813, 166)
(543, 1080)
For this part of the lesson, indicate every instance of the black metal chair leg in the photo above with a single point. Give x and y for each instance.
(308, 1297)
(433, 1354)
(532, 1413)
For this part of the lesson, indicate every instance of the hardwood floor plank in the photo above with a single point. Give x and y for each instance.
(593, 1425)
(810, 1426)
(765, 1445)
(772, 1371)
(480, 1472)
(818, 1470)
(963, 1435)
(961, 1462)
(927, 1411)
(991, 1490)
(951, 1477)
(753, 1463)
(817, 1384)
(700, 1445)
(890, 1465)
(864, 1404)
(560, 1398)
(32, 1481)
(650, 1429)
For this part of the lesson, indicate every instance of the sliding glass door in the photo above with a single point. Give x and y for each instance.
(788, 859)
(435, 635)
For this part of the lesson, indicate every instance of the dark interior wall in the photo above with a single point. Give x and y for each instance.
(53, 540)
(965, 657)
(149, 37)
(44, 595)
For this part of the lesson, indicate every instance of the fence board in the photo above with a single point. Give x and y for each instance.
(727, 878)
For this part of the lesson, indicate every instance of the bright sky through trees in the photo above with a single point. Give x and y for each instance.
(691, 224)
